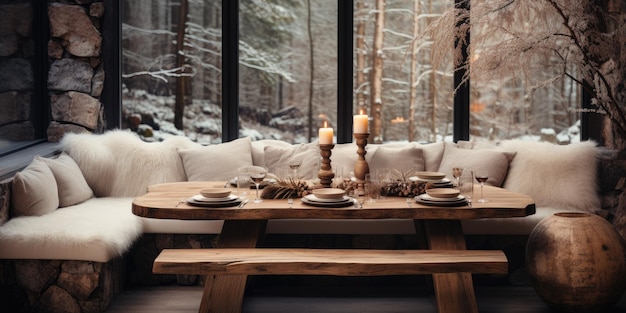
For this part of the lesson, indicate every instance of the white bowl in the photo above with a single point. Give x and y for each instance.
(442, 192)
(215, 193)
(329, 193)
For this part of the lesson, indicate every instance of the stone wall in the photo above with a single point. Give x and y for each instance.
(59, 286)
(76, 73)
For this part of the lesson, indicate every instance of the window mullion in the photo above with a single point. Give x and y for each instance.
(230, 70)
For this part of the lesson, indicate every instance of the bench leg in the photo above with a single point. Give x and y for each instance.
(224, 293)
(454, 292)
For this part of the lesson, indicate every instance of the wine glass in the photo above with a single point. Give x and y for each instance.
(257, 174)
(466, 188)
(456, 173)
(294, 164)
(481, 177)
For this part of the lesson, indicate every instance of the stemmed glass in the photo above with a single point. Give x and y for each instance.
(481, 177)
(456, 173)
(294, 163)
(257, 174)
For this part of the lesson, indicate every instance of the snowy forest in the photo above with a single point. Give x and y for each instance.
(402, 73)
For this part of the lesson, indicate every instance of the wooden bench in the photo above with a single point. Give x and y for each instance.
(339, 262)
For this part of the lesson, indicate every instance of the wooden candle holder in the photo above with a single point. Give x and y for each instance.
(325, 173)
(361, 167)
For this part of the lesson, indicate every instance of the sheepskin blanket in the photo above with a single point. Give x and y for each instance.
(119, 164)
(98, 229)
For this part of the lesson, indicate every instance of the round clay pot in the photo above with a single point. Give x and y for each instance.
(576, 262)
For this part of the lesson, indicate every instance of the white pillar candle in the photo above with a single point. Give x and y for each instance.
(361, 123)
(326, 135)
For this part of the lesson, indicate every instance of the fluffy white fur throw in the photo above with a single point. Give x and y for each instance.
(563, 177)
(119, 164)
(82, 232)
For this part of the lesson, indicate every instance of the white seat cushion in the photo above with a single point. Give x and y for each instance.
(98, 229)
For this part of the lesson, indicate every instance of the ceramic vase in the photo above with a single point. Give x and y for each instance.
(576, 262)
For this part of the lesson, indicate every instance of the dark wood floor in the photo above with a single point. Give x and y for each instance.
(491, 299)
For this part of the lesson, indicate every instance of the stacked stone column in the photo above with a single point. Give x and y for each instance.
(76, 73)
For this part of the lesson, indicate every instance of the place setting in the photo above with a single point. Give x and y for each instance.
(437, 179)
(215, 198)
(328, 198)
(441, 197)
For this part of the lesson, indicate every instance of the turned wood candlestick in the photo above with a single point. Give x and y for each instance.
(325, 173)
(360, 167)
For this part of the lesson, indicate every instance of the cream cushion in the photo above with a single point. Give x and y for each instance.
(494, 161)
(34, 190)
(560, 176)
(71, 183)
(406, 158)
(433, 153)
(277, 159)
(216, 162)
(258, 149)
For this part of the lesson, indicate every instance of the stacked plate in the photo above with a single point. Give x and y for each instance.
(214, 198)
(441, 197)
(328, 197)
(438, 179)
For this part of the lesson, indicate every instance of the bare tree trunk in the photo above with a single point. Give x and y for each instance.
(413, 72)
(361, 80)
(377, 75)
(181, 81)
(311, 69)
(433, 91)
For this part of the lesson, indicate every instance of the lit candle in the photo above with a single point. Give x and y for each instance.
(361, 123)
(326, 135)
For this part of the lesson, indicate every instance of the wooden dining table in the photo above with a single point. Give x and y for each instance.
(244, 227)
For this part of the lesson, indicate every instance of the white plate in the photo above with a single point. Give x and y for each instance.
(201, 198)
(314, 198)
(434, 181)
(335, 204)
(213, 204)
(426, 197)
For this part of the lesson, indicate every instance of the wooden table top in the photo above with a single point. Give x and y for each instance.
(163, 201)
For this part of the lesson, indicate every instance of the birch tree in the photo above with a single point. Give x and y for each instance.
(376, 104)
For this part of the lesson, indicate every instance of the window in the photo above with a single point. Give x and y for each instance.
(521, 92)
(395, 81)
(171, 68)
(288, 68)
(283, 72)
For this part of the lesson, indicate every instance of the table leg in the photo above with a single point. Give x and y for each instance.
(454, 292)
(224, 293)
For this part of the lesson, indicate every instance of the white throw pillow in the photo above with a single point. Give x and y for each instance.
(71, 184)
(344, 156)
(216, 162)
(34, 190)
(403, 159)
(277, 159)
(494, 161)
(433, 153)
(553, 175)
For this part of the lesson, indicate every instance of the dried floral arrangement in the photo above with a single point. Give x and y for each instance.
(583, 41)
(399, 186)
(286, 188)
